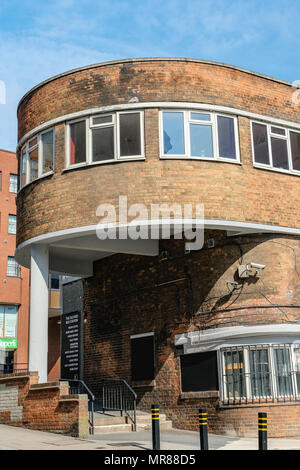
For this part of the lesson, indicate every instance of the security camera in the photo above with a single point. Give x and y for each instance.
(257, 266)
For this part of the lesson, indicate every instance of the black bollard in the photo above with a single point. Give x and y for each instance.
(155, 428)
(262, 431)
(203, 429)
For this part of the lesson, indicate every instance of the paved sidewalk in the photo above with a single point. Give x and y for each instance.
(13, 438)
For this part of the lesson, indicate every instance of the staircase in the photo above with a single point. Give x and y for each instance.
(111, 422)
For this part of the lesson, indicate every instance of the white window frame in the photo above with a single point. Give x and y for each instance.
(213, 123)
(11, 215)
(270, 134)
(39, 146)
(13, 174)
(272, 371)
(116, 130)
(17, 267)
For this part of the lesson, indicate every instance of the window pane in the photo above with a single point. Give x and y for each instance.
(260, 140)
(142, 358)
(13, 183)
(297, 368)
(200, 117)
(54, 281)
(173, 133)
(12, 223)
(23, 168)
(33, 142)
(279, 153)
(226, 137)
(33, 163)
(10, 330)
(102, 119)
(260, 373)
(283, 372)
(199, 372)
(295, 145)
(13, 268)
(277, 130)
(47, 145)
(103, 144)
(234, 374)
(130, 134)
(201, 141)
(78, 142)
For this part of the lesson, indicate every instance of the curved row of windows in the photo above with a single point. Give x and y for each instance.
(190, 134)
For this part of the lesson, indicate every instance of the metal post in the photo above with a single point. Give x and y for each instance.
(203, 429)
(262, 431)
(155, 428)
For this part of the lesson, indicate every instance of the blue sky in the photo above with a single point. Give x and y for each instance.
(39, 39)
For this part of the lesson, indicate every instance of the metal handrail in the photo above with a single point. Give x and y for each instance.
(117, 395)
(77, 391)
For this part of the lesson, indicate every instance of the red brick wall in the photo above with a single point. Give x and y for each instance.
(229, 191)
(46, 407)
(13, 290)
(123, 299)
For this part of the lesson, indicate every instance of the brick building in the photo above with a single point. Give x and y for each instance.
(215, 327)
(14, 279)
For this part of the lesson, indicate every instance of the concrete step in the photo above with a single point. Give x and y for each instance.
(108, 429)
(108, 423)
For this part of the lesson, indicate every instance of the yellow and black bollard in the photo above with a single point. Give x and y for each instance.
(155, 428)
(262, 431)
(203, 429)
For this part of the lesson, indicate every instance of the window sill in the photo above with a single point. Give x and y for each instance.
(143, 383)
(193, 395)
(46, 175)
(276, 170)
(106, 162)
(200, 159)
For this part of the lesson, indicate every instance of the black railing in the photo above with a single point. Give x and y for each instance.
(78, 387)
(17, 368)
(117, 395)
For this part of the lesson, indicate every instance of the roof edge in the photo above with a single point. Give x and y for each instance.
(149, 59)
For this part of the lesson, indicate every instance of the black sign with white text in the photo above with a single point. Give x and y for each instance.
(71, 344)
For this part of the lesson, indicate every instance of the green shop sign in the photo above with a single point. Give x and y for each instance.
(8, 343)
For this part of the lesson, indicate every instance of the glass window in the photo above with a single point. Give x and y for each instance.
(54, 281)
(173, 129)
(12, 224)
(130, 134)
(226, 137)
(200, 117)
(295, 148)
(8, 321)
(33, 163)
(102, 120)
(13, 268)
(103, 144)
(201, 141)
(199, 372)
(234, 374)
(283, 372)
(13, 183)
(279, 153)
(23, 167)
(260, 141)
(77, 142)
(297, 368)
(259, 372)
(277, 130)
(47, 151)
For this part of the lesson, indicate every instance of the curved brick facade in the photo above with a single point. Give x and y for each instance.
(232, 192)
(186, 292)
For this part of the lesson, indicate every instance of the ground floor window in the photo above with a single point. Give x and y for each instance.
(261, 372)
(199, 372)
(142, 357)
